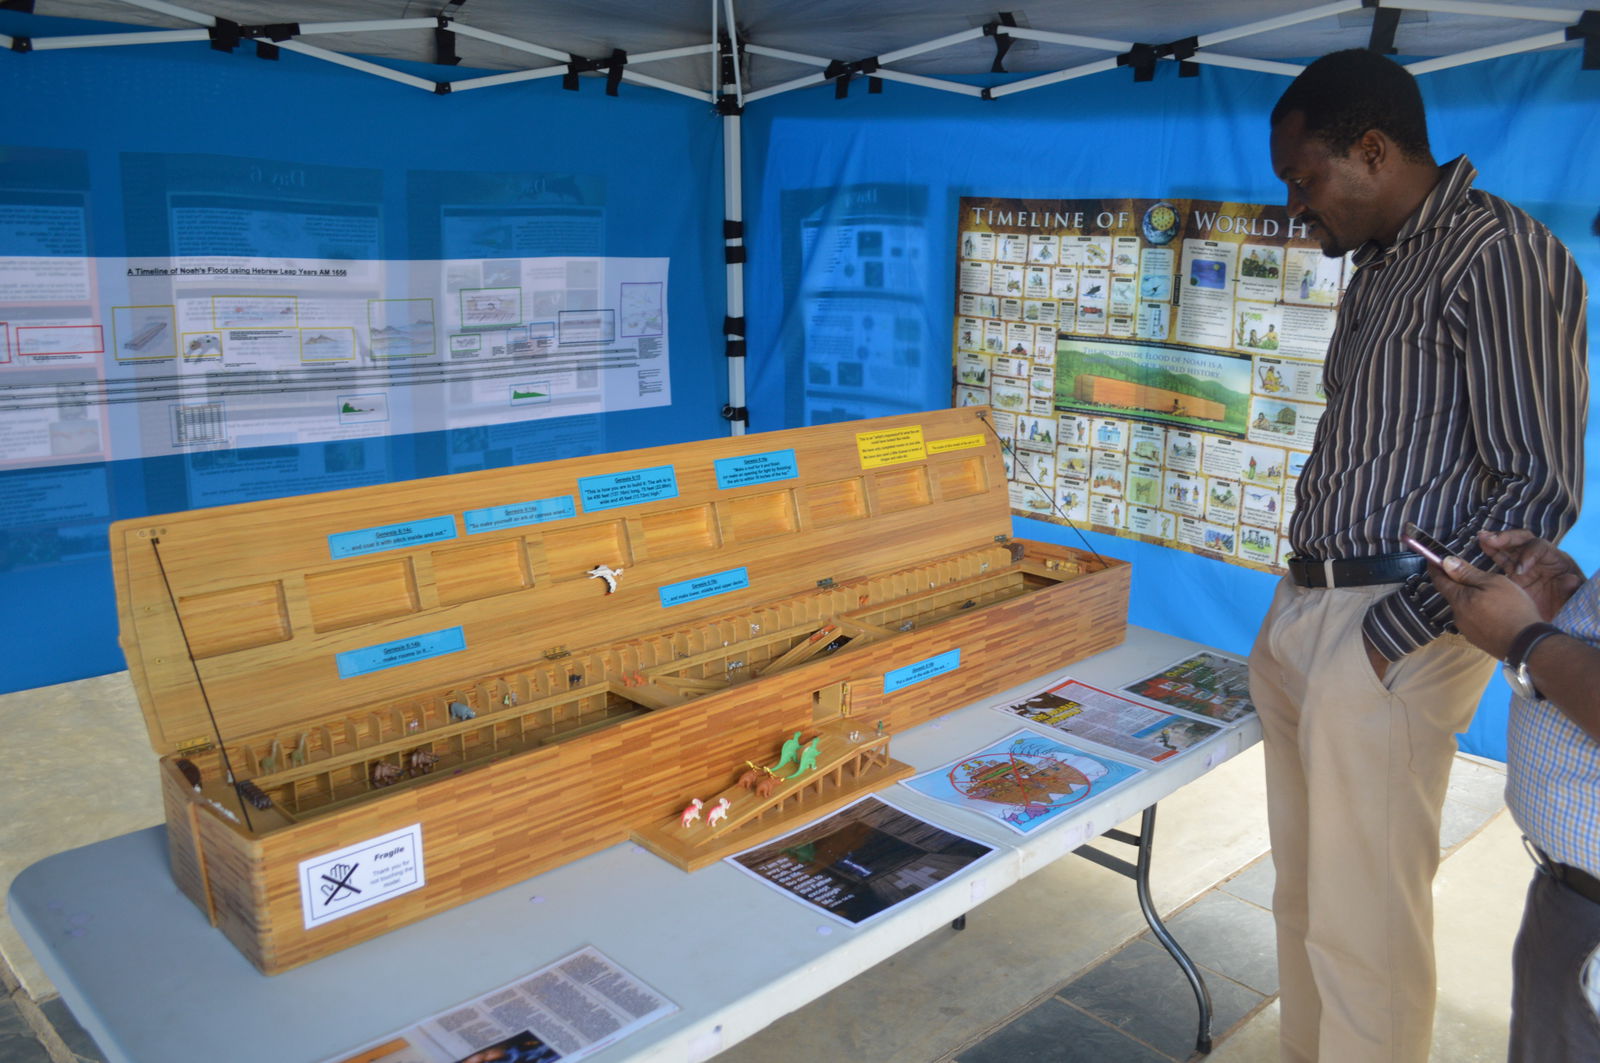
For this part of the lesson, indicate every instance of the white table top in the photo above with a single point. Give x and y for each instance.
(153, 982)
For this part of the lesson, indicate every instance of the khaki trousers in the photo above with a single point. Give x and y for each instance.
(1356, 775)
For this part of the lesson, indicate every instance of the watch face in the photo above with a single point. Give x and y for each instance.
(1521, 684)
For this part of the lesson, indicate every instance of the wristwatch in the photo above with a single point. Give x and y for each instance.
(1516, 663)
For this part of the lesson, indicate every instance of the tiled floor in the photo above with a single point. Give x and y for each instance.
(1059, 967)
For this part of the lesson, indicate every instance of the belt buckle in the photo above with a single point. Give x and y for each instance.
(1327, 573)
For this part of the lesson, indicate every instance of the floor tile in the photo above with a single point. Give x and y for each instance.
(76, 1037)
(1254, 883)
(1233, 937)
(1141, 991)
(17, 1042)
(1054, 1032)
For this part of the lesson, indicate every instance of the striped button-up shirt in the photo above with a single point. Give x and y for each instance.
(1457, 387)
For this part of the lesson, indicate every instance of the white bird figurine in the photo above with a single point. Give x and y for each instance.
(607, 573)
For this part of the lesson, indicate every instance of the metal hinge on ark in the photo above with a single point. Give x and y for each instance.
(418, 693)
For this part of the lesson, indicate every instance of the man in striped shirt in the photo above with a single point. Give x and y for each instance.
(1457, 391)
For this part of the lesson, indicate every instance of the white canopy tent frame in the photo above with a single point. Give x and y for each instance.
(729, 94)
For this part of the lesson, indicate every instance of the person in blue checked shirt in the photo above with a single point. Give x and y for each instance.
(1542, 618)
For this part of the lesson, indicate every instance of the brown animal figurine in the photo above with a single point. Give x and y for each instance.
(384, 773)
(751, 777)
(767, 785)
(420, 762)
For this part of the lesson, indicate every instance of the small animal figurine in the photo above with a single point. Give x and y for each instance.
(460, 710)
(384, 773)
(718, 813)
(420, 762)
(252, 793)
(691, 812)
(808, 759)
(607, 573)
(752, 776)
(191, 773)
(765, 787)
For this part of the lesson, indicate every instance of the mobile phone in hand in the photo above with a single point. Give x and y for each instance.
(1425, 544)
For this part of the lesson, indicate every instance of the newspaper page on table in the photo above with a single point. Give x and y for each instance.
(1094, 715)
(1024, 780)
(861, 861)
(563, 1012)
(1207, 684)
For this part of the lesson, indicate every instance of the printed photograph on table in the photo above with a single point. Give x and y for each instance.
(861, 861)
(1206, 684)
(1024, 780)
(565, 1011)
(1171, 337)
(1115, 722)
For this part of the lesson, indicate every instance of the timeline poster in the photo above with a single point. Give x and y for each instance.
(1155, 366)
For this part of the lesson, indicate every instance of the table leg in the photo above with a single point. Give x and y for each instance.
(1144, 842)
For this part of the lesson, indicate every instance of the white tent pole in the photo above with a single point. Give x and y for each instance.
(174, 10)
(490, 80)
(103, 40)
(733, 211)
(927, 82)
(1206, 40)
(509, 42)
(1099, 43)
(631, 75)
(369, 26)
(1239, 62)
(670, 53)
(797, 83)
(1494, 51)
(362, 65)
(793, 57)
(1050, 79)
(931, 46)
(733, 42)
(1568, 16)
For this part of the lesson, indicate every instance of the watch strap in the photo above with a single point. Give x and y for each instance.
(1526, 640)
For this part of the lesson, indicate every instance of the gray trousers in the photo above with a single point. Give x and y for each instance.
(1551, 1020)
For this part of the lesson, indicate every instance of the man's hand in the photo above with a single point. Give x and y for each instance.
(1489, 609)
(1549, 576)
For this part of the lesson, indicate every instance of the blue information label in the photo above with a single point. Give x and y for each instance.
(735, 579)
(401, 651)
(947, 661)
(391, 537)
(536, 511)
(756, 469)
(627, 488)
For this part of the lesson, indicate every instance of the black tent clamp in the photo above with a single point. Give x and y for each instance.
(1143, 58)
(1588, 29)
(226, 34)
(1002, 41)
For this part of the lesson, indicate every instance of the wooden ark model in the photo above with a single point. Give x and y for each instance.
(379, 703)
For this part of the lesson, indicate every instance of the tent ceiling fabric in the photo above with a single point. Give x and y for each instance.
(849, 30)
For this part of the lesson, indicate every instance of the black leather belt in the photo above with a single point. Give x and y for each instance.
(1575, 879)
(1355, 571)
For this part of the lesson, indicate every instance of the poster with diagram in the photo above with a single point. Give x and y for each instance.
(1155, 366)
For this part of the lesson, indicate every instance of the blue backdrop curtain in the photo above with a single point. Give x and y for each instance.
(852, 230)
(124, 134)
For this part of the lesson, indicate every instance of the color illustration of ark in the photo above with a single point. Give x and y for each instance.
(1105, 391)
(1024, 780)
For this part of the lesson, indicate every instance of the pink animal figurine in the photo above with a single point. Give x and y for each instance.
(718, 813)
(691, 812)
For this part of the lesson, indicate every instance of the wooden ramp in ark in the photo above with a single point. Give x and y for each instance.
(852, 760)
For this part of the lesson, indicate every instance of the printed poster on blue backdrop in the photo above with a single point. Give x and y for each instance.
(1155, 365)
